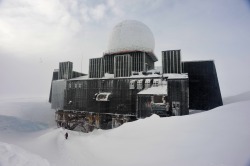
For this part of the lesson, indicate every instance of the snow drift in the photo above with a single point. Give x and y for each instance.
(11, 155)
(237, 98)
(216, 137)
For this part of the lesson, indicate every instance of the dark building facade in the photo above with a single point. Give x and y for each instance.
(204, 89)
(130, 92)
(117, 97)
(123, 95)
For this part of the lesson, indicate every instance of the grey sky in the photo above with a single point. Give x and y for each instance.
(36, 35)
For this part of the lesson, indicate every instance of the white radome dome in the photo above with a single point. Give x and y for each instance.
(131, 35)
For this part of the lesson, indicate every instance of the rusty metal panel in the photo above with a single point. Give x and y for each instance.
(177, 92)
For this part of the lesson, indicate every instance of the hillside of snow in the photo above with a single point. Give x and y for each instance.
(237, 98)
(219, 137)
(12, 155)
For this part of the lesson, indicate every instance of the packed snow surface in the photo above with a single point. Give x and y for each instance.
(11, 155)
(237, 98)
(131, 35)
(219, 137)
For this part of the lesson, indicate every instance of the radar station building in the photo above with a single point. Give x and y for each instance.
(123, 84)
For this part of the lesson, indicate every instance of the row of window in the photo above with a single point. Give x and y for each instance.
(133, 83)
(75, 85)
(148, 82)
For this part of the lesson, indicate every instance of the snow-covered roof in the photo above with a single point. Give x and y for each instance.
(81, 78)
(169, 75)
(176, 76)
(131, 35)
(107, 76)
(60, 80)
(111, 76)
(156, 69)
(159, 90)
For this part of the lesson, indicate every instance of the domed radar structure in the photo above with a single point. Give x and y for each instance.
(131, 35)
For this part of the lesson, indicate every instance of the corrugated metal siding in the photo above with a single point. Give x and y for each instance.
(108, 61)
(96, 68)
(123, 100)
(137, 61)
(57, 95)
(171, 61)
(65, 70)
(178, 92)
(122, 65)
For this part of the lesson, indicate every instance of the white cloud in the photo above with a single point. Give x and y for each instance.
(33, 26)
(28, 25)
(58, 30)
(98, 12)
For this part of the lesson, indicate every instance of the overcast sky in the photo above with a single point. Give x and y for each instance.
(35, 35)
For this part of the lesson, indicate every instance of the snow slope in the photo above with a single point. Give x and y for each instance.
(11, 155)
(237, 98)
(213, 138)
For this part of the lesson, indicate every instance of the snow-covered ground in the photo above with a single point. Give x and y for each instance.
(237, 98)
(219, 137)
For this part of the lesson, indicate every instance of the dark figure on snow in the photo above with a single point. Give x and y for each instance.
(66, 135)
